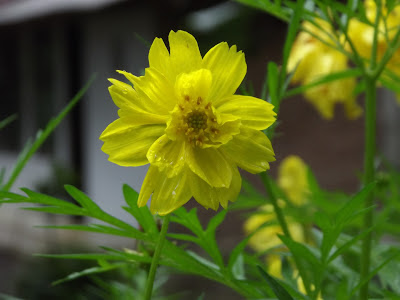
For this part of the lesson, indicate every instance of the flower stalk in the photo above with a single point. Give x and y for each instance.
(156, 258)
(369, 174)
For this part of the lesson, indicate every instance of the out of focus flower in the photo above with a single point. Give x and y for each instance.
(266, 237)
(311, 59)
(183, 118)
(362, 34)
(263, 225)
(292, 179)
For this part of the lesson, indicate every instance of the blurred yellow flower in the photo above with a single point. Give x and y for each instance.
(292, 179)
(265, 230)
(311, 59)
(362, 34)
(302, 288)
(183, 118)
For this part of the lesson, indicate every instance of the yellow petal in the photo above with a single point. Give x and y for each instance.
(127, 145)
(211, 197)
(132, 108)
(168, 193)
(185, 55)
(274, 264)
(154, 91)
(228, 68)
(195, 84)
(325, 96)
(168, 155)
(230, 126)
(159, 56)
(253, 112)
(210, 165)
(251, 150)
(292, 179)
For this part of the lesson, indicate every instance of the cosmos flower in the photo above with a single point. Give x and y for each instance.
(184, 119)
(311, 59)
(292, 179)
(362, 34)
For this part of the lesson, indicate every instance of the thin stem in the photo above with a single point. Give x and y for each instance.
(375, 37)
(369, 173)
(282, 222)
(156, 257)
(274, 201)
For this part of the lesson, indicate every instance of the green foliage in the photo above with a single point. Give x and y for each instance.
(31, 147)
(326, 262)
(279, 291)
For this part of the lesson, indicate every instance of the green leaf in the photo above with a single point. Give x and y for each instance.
(82, 199)
(235, 253)
(278, 289)
(268, 7)
(8, 297)
(355, 72)
(374, 272)
(184, 237)
(97, 228)
(188, 219)
(349, 243)
(216, 221)
(143, 214)
(237, 269)
(39, 198)
(89, 271)
(30, 148)
(115, 256)
(290, 38)
(301, 252)
(175, 257)
(346, 213)
(7, 121)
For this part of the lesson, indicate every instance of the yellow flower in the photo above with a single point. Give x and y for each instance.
(310, 60)
(362, 34)
(292, 179)
(183, 118)
(302, 288)
(265, 238)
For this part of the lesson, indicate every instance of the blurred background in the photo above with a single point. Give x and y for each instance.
(48, 51)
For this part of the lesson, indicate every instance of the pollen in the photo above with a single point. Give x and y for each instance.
(197, 120)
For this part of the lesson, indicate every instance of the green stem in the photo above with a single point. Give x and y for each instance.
(274, 201)
(369, 173)
(282, 222)
(156, 257)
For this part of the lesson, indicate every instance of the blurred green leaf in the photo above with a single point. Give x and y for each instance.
(89, 271)
(278, 289)
(347, 212)
(355, 72)
(142, 215)
(31, 147)
(234, 258)
(301, 251)
(374, 272)
(7, 121)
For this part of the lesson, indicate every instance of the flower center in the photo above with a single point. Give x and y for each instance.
(197, 121)
(194, 119)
